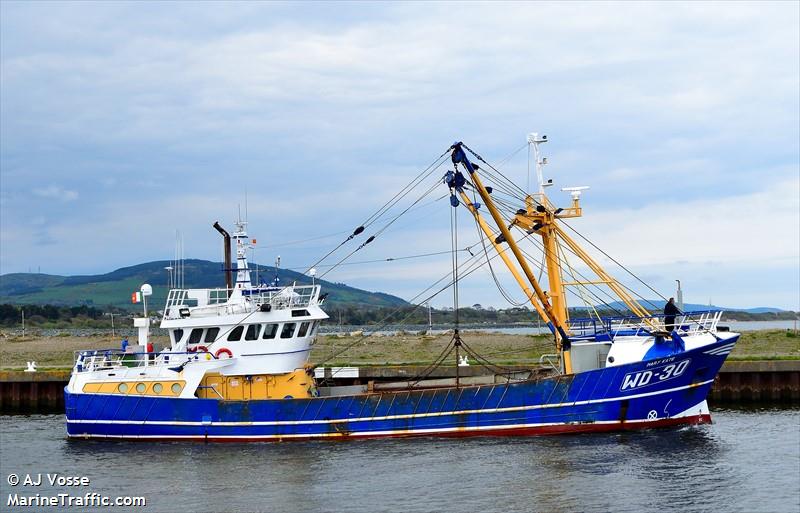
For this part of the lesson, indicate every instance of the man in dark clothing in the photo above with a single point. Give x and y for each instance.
(670, 311)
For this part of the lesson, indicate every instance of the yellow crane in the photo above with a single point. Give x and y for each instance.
(539, 217)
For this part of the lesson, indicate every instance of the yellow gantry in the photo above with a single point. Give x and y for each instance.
(540, 217)
(549, 313)
(531, 295)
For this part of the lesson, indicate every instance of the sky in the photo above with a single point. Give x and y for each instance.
(122, 123)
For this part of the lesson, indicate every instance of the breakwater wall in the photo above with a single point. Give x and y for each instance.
(739, 382)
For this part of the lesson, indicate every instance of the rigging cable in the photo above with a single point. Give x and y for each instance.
(503, 292)
(376, 234)
(386, 206)
(392, 259)
(608, 294)
(472, 264)
(538, 244)
(499, 175)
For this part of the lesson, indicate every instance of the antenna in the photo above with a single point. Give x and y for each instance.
(535, 140)
(177, 265)
(575, 191)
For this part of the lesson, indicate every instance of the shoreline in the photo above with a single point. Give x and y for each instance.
(403, 348)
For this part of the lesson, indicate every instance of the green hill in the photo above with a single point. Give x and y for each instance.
(115, 288)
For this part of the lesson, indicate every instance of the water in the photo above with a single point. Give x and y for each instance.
(737, 326)
(748, 460)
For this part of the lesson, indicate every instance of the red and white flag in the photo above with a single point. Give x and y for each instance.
(136, 297)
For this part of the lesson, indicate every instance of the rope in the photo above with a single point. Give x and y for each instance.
(386, 206)
(379, 232)
(392, 259)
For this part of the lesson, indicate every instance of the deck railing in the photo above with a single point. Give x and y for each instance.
(292, 296)
(688, 323)
(106, 359)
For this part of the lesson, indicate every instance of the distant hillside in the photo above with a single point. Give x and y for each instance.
(690, 307)
(115, 288)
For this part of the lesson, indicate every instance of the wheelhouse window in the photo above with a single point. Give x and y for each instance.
(196, 336)
(252, 332)
(314, 327)
(235, 334)
(270, 330)
(177, 335)
(303, 329)
(288, 330)
(211, 335)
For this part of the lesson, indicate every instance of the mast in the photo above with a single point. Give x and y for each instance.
(242, 269)
(557, 325)
(541, 217)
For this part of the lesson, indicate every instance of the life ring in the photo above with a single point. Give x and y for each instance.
(197, 349)
(224, 350)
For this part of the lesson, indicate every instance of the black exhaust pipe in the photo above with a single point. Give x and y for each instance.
(227, 259)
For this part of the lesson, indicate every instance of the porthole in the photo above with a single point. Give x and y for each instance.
(176, 388)
(122, 388)
(141, 387)
(157, 388)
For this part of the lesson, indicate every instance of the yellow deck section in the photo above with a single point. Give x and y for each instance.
(297, 384)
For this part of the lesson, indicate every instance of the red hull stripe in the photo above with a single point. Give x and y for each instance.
(553, 429)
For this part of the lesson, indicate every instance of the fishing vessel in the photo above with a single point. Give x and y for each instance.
(238, 367)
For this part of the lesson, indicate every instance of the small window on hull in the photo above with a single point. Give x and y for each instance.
(252, 332)
(270, 330)
(196, 336)
(235, 334)
(211, 335)
(177, 335)
(288, 330)
(303, 329)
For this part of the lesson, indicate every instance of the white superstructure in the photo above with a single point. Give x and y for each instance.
(239, 331)
(266, 329)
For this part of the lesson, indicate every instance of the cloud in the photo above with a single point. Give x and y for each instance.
(56, 192)
(684, 113)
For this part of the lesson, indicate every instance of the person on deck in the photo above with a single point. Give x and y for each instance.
(670, 311)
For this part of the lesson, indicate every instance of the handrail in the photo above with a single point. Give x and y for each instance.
(90, 360)
(291, 296)
(656, 315)
(685, 323)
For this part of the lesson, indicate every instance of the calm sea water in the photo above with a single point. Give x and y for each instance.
(748, 460)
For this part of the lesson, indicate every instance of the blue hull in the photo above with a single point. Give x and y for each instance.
(664, 391)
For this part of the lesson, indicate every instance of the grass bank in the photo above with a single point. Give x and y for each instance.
(412, 348)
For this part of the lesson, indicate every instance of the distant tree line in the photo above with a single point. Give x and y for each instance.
(361, 316)
(51, 316)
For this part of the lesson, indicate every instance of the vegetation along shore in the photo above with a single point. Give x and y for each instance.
(403, 348)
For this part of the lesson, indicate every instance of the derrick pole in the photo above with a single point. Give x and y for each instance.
(531, 295)
(562, 340)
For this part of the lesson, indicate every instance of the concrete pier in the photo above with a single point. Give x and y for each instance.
(739, 382)
(32, 392)
(762, 381)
